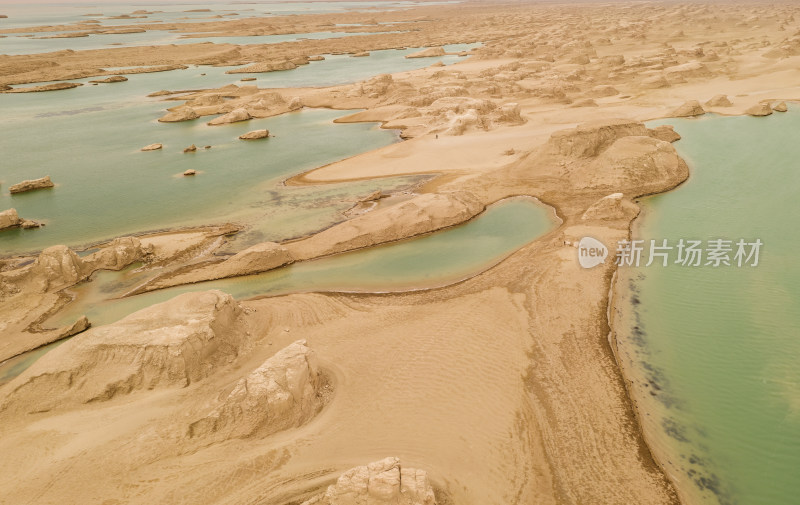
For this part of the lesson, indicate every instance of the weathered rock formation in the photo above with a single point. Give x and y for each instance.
(666, 133)
(182, 113)
(689, 109)
(9, 219)
(427, 53)
(114, 78)
(285, 391)
(384, 482)
(31, 185)
(256, 259)
(719, 101)
(152, 147)
(233, 116)
(47, 87)
(166, 345)
(422, 214)
(761, 109)
(254, 135)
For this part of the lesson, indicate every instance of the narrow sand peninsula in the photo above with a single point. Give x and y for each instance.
(500, 389)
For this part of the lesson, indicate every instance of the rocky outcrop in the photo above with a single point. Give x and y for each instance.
(633, 161)
(107, 80)
(9, 219)
(254, 135)
(31, 185)
(265, 66)
(47, 87)
(152, 147)
(166, 345)
(234, 116)
(689, 109)
(55, 267)
(183, 113)
(384, 482)
(427, 53)
(719, 101)
(58, 266)
(761, 109)
(284, 392)
(781, 107)
(191, 149)
(509, 113)
(118, 254)
(295, 103)
(256, 259)
(422, 214)
(666, 133)
(189, 172)
(589, 139)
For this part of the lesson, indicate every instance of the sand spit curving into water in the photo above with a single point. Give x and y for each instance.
(499, 389)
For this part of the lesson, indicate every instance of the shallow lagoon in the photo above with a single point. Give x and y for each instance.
(714, 351)
(106, 187)
(433, 260)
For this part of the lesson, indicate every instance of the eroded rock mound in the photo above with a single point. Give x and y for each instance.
(384, 482)
(255, 134)
(761, 109)
(666, 133)
(234, 116)
(422, 214)
(285, 391)
(719, 101)
(30, 185)
(9, 219)
(689, 109)
(118, 254)
(590, 139)
(427, 53)
(182, 113)
(256, 259)
(152, 147)
(169, 344)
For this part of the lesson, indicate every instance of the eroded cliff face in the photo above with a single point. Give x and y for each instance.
(167, 345)
(285, 391)
(384, 482)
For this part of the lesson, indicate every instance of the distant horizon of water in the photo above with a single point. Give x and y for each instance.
(29, 14)
(713, 352)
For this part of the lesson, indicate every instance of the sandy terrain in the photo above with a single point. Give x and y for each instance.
(500, 389)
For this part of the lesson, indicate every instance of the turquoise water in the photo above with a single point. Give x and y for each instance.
(433, 260)
(17, 44)
(106, 187)
(714, 351)
(21, 15)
